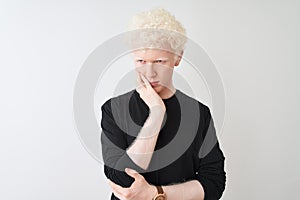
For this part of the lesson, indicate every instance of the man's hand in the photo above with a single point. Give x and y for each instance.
(139, 189)
(148, 94)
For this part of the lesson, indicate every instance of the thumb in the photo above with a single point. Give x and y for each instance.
(134, 174)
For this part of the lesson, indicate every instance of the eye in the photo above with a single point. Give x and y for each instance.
(140, 61)
(159, 61)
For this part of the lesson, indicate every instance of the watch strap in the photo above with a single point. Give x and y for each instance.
(159, 190)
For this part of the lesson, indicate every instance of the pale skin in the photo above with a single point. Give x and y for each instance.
(154, 83)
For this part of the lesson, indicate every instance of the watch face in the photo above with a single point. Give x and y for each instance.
(160, 197)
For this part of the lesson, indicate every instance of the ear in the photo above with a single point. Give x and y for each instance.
(178, 58)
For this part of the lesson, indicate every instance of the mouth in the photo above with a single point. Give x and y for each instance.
(154, 83)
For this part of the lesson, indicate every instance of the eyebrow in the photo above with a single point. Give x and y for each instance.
(138, 58)
(162, 59)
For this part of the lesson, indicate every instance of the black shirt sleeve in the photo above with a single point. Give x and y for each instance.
(114, 144)
(211, 172)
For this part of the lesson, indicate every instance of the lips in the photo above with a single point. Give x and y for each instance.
(154, 83)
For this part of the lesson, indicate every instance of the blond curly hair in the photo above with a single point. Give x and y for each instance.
(156, 28)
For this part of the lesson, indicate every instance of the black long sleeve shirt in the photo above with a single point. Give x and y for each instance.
(187, 147)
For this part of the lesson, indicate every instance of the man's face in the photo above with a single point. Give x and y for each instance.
(157, 66)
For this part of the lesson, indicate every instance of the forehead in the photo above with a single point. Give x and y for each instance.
(152, 54)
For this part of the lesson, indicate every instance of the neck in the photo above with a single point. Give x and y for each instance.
(168, 92)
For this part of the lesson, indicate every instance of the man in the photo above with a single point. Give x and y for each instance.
(152, 136)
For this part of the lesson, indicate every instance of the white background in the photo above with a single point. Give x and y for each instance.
(254, 45)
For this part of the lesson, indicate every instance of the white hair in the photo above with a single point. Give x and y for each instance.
(156, 28)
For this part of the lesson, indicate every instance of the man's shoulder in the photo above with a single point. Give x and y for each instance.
(119, 99)
(192, 100)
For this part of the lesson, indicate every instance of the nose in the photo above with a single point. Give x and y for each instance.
(150, 71)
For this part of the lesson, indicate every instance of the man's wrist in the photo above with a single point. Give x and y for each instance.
(157, 110)
(152, 191)
(160, 194)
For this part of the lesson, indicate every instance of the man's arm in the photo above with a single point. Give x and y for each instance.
(142, 148)
(116, 153)
(141, 189)
(191, 190)
(210, 178)
(208, 183)
(114, 143)
(210, 172)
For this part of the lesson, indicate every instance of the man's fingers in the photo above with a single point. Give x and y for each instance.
(117, 194)
(146, 82)
(117, 190)
(134, 174)
(138, 78)
(140, 83)
(115, 186)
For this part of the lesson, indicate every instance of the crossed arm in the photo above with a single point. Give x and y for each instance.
(141, 152)
(140, 189)
(209, 182)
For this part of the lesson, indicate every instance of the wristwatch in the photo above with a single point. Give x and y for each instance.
(161, 195)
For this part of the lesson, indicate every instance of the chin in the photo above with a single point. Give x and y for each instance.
(158, 89)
